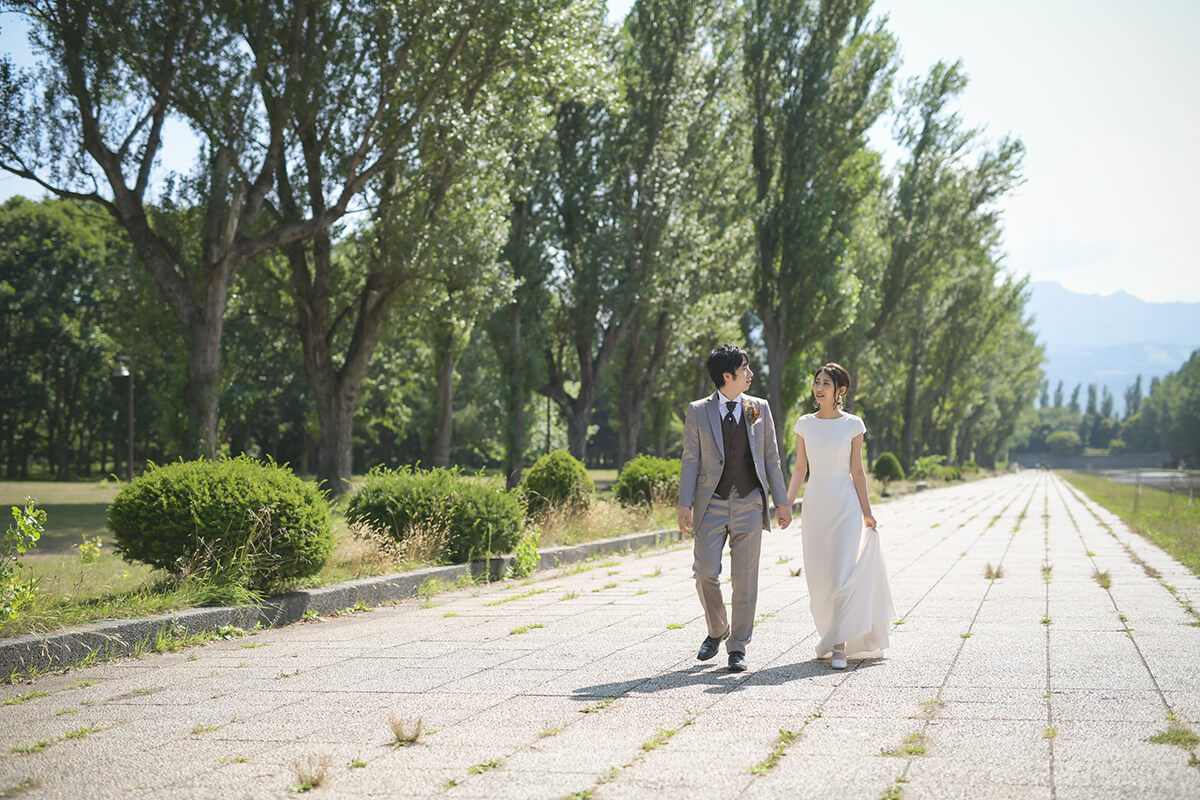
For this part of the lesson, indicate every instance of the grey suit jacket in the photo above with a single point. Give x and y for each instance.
(704, 454)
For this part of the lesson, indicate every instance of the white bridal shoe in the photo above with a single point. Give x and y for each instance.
(839, 659)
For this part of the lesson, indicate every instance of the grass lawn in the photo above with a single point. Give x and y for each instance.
(1162, 517)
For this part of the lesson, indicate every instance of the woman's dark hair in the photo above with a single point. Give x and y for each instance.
(840, 377)
(726, 358)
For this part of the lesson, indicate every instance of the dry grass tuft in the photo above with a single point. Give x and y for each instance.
(311, 772)
(402, 733)
(1102, 578)
(993, 573)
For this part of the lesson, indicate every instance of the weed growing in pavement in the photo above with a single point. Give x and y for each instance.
(1177, 734)
(255, 645)
(932, 707)
(63, 712)
(783, 560)
(674, 626)
(26, 749)
(82, 733)
(17, 699)
(520, 596)
(356, 763)
(599, 705)
(484, 767)
(1102, 578)
(1050, 733)
(449, 783)
(569, 596)
(796, 572)
(1045, 620)
(19, 787)
(659, 739)
(964, 636)
(894, 792)
(993, 573)
(551, 732)
(402, 734)
(1046, 570)
(288, 674)
(205, 729)
(913, 745)
(525, 628)
(310, 772)
(781, 745)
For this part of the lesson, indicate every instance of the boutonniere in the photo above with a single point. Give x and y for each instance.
(751, 412)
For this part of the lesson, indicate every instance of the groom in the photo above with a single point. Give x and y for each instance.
(729, 455)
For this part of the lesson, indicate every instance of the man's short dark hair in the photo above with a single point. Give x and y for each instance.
(726, 358)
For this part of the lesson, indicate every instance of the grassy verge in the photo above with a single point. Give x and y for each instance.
(72, 593)
(1164, 518)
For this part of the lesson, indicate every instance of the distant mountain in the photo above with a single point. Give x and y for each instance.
(1109, 340)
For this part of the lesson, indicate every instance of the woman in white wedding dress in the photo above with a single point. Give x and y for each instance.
(848, 589)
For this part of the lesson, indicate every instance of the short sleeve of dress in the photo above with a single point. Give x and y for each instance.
(799, 429)
(860, 427)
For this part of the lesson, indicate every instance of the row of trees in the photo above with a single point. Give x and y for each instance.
(412, 224)
(1162, 420)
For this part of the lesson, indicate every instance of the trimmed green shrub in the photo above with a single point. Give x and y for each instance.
(887, 468)
(647, 480)
(476, 519)
(950, 473)
(558, 480)
(254, 521)
(1064, 443)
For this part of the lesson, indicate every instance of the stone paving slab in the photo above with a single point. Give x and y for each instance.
(1039, 684)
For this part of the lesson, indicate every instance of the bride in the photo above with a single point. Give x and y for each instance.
(848, 590)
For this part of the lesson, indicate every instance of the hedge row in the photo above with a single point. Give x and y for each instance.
(261, 526)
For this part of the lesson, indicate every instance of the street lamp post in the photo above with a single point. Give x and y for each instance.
(123, 371)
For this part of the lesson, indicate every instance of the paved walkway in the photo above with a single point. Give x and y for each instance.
(583, 683)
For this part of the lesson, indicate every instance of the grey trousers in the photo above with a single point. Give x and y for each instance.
(738, 520)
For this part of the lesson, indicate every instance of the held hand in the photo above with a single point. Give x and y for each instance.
(783, 515)
(869, 521)
(685, 520)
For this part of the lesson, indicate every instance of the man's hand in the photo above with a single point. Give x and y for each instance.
(685, 520)
(783, 515)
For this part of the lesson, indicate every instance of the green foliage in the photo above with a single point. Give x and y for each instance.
(970, 466)
(1117, 446)
(1064, 443)
(526, 557)
(887, 468)
(558, 480)
(649, 481)
(255, 524)
(476, 519)
(21, 536)
(927, 467)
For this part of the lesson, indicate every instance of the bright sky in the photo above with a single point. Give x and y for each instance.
(1102, 92)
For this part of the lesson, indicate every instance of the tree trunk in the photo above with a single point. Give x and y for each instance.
(444, 403)
(777, 358)
(204, 376)
(910, 404)
(336, 413)
(514, 402)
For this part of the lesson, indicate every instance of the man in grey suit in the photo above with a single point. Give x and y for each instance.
(729, 455)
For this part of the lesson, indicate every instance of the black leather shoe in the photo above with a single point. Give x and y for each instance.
(710, 646)
(737, 662)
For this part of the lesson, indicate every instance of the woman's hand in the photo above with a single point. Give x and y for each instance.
(869, 521)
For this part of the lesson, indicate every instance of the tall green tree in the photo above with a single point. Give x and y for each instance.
(818, 75)
(679, 191)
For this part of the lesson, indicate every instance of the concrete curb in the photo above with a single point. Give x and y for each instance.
(103, 641)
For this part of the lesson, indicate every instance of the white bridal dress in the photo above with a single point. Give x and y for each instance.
(848, 589)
